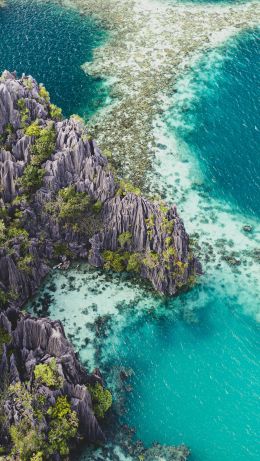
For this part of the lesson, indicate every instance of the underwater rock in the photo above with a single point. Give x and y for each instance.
(247, 228)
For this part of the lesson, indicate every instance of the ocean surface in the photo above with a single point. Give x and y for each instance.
(195, 358)
(216, 113)
(51, 43)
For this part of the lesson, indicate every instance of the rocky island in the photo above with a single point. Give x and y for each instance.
(61, 200)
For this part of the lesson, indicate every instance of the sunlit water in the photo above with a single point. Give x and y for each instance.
(51, 43)
(217, 115)
(195, 358)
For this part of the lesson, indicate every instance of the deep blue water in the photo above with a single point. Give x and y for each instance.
(223, 122)
(51, 43)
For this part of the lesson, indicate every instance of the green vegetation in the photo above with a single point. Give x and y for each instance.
(25, 440)
(44, 93)
(167, 226)
(3, 298)
(134, 262)
(24, 264)
(120, 261)
(150, 222)
(47, 373)
(62, 249)
(124, 238)
(5, 338)
(169, 253)
(34, 129)
(115, 260)
(7, 131)
(44, 145)
(77, 118)
(181, 267)
(72, 204)
(2, 230)
(76, 210)
(63, 426)
(24, 112)
(31, 179)
(29, 440)
(101, 399)
(55, 112)
(97, 206)
(127, 187)
(151, 259)
(41, 150)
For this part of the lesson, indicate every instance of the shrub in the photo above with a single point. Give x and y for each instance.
(151, 259)
(77, 118)
(4, 298)
(24, 264)
(124, 238)
(62, 249)
(44, 93)
(126, 187)
(101, 399)
(134, 262)
(26, 439)
(37, 456)
(2, 230)
(181, 267)
(47, 373)
(55, 112)
(167, 226)
(115, 260)
(63, 426)
(24, 112)
(72, 204)
(34, 129)
(97, 206)
(44, 145)
(5, 338)
(169, 253)
(15, 231)
(32, 178)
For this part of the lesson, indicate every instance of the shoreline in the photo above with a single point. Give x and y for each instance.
(142, 98)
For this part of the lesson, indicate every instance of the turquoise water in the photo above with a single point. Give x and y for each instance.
(221, 122)
(196, 383)
(51, 43)
(195, 358)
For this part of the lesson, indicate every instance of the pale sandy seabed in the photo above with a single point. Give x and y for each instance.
(151, 47)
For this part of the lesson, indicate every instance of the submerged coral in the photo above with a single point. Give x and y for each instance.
(153, 43)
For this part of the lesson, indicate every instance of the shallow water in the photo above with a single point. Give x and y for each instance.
(51, 43)
(196, 383)
(195, 358)
(217, 115)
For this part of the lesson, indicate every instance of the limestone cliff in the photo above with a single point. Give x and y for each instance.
(26, 342)
(47, 166)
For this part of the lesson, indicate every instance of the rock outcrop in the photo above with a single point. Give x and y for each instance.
(126, 224)
(60, 199)
(27, 342)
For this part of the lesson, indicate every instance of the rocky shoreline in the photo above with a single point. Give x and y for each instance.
(107, 222)
(157, 45)
(61, 201)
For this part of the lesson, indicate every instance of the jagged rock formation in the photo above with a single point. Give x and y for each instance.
(31, 341)
(152, 233)
(59, 198)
